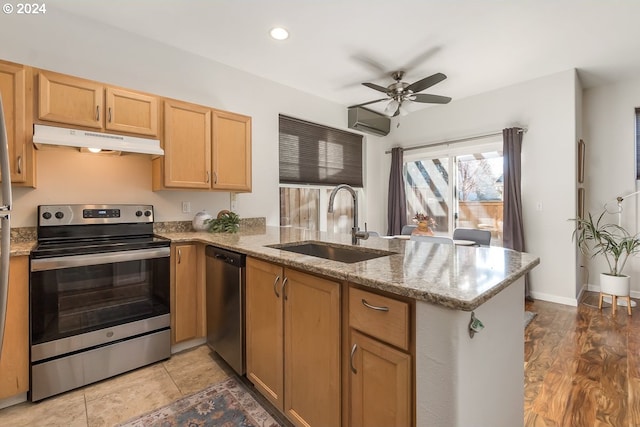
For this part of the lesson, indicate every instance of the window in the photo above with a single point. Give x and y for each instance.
(459, 187)
(313, 160)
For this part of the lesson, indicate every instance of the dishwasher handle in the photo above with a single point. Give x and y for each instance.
(233, 258)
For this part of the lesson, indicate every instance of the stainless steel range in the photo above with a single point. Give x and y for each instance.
(99, 300)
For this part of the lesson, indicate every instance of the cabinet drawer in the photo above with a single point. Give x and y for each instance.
(384, 318)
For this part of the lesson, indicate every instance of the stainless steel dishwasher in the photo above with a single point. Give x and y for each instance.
(225, 305)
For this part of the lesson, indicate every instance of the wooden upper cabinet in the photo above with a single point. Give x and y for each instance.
(204, 149)
(67, 99)
(231, 151)
(131, 112)
(187, 146)
(79, 102)
(15, 87)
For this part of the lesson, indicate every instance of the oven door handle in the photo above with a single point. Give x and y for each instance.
(55, 263)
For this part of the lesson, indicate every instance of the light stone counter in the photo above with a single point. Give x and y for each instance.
(458, 277)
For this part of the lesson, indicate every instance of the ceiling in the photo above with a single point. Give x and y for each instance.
(335, 45)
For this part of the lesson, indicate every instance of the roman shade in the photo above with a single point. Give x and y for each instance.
(319, 155)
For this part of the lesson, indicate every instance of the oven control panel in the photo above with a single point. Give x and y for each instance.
(101, 213)
(54, 215)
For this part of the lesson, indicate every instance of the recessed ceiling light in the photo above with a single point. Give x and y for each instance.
(279, 33)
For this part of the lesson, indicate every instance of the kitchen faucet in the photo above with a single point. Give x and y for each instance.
(356, 234)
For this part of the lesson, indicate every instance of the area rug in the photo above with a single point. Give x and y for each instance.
(224, 404)
(528, 317)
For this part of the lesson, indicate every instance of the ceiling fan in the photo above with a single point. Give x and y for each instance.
(400, 92)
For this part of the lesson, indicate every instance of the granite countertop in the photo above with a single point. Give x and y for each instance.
(22, 248)
(458, 277)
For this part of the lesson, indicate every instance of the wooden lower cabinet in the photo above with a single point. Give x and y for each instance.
(187, 294)
(265, 329)
(293, 342)
(381, 393)
(14, 361)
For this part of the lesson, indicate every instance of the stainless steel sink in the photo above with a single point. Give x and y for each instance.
(346, 254)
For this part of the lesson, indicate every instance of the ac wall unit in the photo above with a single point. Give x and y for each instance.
(369, 121)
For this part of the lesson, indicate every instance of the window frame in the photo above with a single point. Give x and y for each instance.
(451, 152)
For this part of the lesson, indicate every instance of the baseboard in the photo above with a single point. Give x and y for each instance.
(554, 298)
(570, 301)
(596, 288)
(583, 289)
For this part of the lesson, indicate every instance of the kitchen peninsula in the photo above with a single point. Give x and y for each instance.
(457, 379)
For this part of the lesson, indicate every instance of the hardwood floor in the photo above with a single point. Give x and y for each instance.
(582, 365)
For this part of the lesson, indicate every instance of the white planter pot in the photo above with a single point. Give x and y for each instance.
(615, 285)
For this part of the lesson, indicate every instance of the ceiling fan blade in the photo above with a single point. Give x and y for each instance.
(430, 99)
(420, 58)
(427, 82)
(367, 103)
(376, 87)
(371, 63)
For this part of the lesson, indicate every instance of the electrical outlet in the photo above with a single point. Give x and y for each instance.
(186, 207)
(233, 204)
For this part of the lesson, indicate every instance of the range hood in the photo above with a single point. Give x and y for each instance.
(83, 139)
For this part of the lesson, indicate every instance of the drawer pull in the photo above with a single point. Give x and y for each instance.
(374, 307)
(275, 289)
(353, 352)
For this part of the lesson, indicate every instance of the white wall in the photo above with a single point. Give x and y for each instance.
(547, 107)
(609, 134)
(68, 44)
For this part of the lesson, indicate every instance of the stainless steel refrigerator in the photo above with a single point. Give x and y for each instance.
(5, 223)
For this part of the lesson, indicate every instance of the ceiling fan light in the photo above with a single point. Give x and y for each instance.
(391, 107)
(403, 110)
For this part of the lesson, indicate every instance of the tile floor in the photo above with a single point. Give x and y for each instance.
(118, 399)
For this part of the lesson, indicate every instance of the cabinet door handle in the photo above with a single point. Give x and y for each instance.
(19, 164)
(215, 177)
(353, 352)
(207, 177)
(275, 288)
(374, 307)
(109, 116)
(284, 283)
(97, 113)
(179, 256)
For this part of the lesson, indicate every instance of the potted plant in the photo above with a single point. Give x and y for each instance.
(425, 224)
(613, 242)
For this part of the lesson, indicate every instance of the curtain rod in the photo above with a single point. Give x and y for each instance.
(453, 141)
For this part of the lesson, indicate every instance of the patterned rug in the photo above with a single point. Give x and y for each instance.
(226, 404)
(528, 317)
